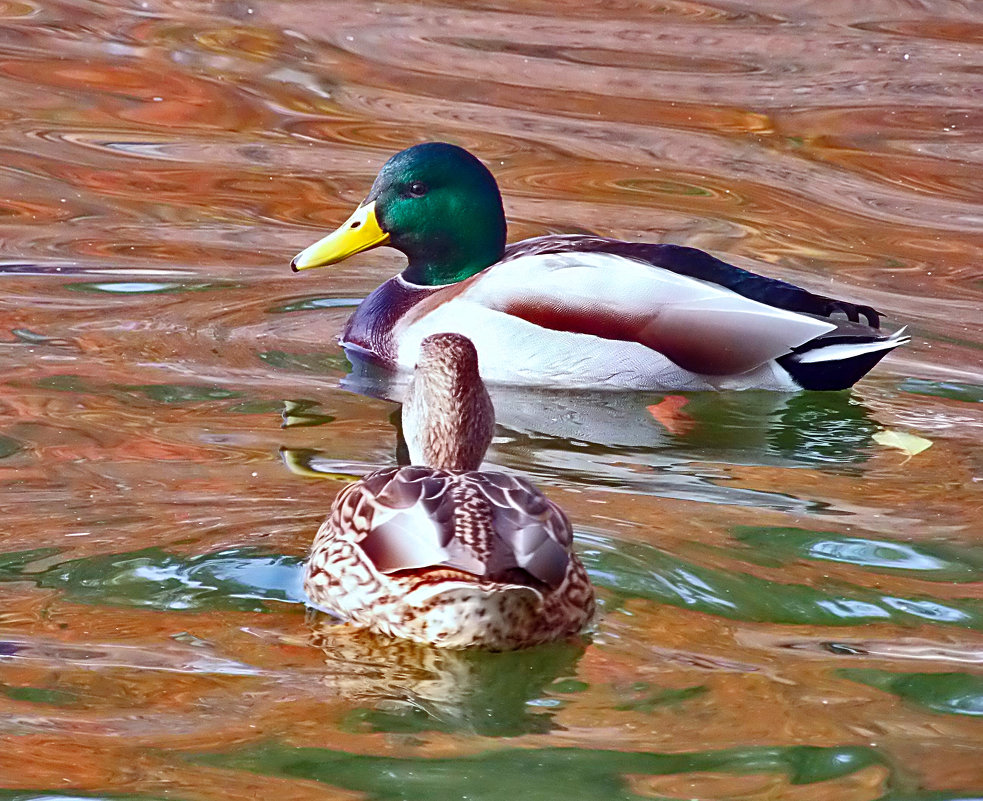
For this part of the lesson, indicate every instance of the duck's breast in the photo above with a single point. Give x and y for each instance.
(370, 328)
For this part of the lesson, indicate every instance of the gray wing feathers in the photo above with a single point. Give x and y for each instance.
(535, 531)
(405, 522)
(486, 524)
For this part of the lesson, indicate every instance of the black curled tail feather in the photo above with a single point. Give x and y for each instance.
(830, 375)
(837, 371)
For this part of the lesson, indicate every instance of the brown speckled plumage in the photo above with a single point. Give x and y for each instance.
(444, 553)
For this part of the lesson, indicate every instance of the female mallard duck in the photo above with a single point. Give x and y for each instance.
(446, 553)
(580, 311)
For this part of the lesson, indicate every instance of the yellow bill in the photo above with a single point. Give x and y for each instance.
(359, 232)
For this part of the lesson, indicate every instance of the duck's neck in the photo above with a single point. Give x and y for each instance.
(440, 272)
(454, 253)
(448, 420)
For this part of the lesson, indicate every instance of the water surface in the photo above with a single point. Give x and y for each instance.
(790, 596)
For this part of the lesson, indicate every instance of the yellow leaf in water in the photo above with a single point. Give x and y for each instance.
(909, 443)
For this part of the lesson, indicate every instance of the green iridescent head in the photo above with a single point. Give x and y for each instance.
(437, 204)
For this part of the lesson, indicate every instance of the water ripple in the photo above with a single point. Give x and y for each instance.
(176, 416)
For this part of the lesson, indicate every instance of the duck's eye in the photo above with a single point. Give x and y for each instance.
(416, 189)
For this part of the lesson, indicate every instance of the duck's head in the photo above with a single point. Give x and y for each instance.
(437, 204)
(448, 418)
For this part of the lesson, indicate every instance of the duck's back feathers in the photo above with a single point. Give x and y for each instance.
(457, 560)
(488, 525)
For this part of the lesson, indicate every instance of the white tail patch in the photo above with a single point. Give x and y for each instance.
(836, 353)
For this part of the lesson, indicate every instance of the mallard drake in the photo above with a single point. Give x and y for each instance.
(442, 552)
(580, 311)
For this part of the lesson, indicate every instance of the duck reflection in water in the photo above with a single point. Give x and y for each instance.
(403, 686)
(664, 445)
(574, 430)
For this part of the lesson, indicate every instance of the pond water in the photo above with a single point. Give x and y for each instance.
(791, 604)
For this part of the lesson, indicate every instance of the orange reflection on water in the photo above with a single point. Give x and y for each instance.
(162, 161)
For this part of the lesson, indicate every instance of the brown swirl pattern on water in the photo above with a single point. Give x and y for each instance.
(419, 73)
(162, 160)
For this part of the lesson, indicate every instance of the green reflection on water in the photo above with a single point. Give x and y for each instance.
(823, 427)
(39, 695)
(66, 383)
(930, 561)
(161, 393)
(8, 446)
(643, 571)
(13, 564)
(244, 579)
(953, 390)
(240, 579)
(663, 187)
(320, 363)
(569, 686)
(182, 393)
(948, 693)
(646, 698)
(536, 773)
(475, 692)
(256, 407)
